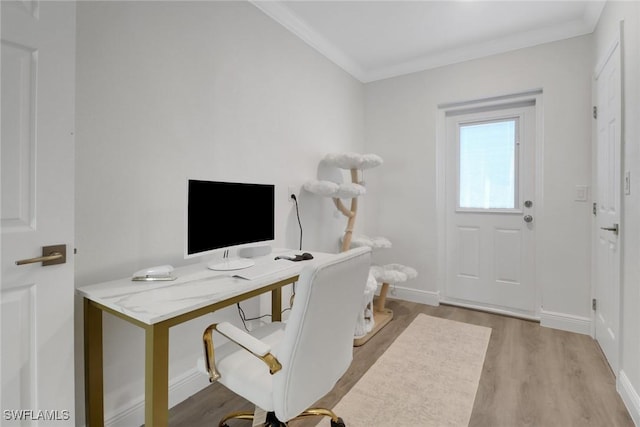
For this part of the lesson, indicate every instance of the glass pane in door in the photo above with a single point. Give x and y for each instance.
(488, 165)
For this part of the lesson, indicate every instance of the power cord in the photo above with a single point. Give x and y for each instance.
(244, 318)
(295, 199)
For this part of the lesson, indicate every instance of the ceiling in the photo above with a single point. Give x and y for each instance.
(373, 40)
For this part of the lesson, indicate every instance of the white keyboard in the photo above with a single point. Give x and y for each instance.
(259, 271)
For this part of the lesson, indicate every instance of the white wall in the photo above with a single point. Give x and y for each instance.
(212, 90)
(401, 124)
(608, 28)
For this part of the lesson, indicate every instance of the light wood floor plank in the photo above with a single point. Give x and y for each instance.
(532, 376)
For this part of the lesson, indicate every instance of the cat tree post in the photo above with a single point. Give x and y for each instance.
(373, 317)
(350, 214)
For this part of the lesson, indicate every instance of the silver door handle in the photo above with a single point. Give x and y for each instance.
(614, 229)
(528, 218)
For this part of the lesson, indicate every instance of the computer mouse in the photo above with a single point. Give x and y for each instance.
(302, 257)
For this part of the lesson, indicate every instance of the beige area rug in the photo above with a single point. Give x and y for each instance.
(428, 377)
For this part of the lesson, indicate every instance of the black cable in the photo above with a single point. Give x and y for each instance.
(295, 199)
(244, 318)
(240, 311)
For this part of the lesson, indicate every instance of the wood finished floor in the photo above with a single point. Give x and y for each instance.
(532, 376)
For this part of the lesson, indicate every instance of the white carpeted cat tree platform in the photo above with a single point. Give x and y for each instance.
(373, 317)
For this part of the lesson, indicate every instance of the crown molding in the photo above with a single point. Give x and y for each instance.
(292, 22)
(481, 50)
(279, 12)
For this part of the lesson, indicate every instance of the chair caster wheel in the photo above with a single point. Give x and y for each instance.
(338, 423)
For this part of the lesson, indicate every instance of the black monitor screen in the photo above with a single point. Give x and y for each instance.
(225, 214)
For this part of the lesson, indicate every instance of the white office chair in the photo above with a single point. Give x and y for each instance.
(305, 356)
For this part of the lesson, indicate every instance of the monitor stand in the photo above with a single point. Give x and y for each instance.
(230, 264)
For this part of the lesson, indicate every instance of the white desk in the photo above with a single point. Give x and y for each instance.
(157, 306)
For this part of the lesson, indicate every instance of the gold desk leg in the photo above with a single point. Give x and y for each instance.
(93, 374)
(156, 405)
(276, 305)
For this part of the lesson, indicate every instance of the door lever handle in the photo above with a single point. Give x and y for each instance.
(51, 255)
(614, 229)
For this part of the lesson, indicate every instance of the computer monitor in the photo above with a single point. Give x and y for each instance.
(226, 215)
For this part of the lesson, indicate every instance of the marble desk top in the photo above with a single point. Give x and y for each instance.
(195, 287)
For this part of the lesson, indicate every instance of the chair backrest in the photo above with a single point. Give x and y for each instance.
(317, 348)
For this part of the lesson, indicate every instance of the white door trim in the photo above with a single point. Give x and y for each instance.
(535, 95)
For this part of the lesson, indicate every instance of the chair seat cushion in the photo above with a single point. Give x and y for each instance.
(245, 374)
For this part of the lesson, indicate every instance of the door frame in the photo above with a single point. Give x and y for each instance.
(617, 42)
(535, 95)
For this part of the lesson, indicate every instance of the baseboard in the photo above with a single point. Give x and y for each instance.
(413, 295)
(629, 396)
(565, 322)
(180, 388)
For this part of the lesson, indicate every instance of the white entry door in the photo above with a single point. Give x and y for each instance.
(490, 208)
(37, 302)
(607, 199)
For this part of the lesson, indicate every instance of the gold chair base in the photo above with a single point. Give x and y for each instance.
(235, 415)
(311, 412)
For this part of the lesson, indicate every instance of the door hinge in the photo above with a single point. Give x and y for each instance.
(595, 208)
(595, 112)
(594, 304)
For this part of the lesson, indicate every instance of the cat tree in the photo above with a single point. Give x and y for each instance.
(373, 317)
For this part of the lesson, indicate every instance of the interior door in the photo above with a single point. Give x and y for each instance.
(490, 208)
(37, 164)
(608, 178)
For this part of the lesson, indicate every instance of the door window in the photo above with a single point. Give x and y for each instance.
(488, 159)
